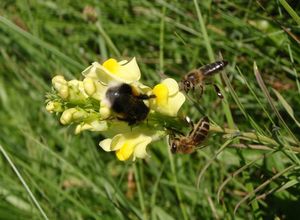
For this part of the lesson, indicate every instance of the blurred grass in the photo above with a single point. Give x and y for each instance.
(72, 178)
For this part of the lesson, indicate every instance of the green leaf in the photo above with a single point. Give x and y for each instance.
(161, 214)
(287, 107)
(288, 185)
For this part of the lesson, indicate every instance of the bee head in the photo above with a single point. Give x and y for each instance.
(116, 91)
(187, 85)
(174, 144)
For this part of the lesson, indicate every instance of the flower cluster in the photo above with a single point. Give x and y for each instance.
(85, 104)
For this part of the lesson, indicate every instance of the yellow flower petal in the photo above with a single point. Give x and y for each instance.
(98, 73)
(140, 149)
(161, 92)
(111, 70)
(168, 98)
(125, 151)
(117, 142)
(129, 72)
(127, 145)
(105, 144)
(172, 86)
(174, 104)
(112, 66)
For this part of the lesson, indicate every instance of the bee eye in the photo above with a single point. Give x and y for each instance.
(187, 85)
(173, 148)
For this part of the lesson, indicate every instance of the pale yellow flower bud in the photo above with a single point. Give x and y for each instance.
(64, 92)
(89, 86)
(79, 115)
(58, 80)
(78, 129)
(67, 116)
(50, 107)
(54, 107)
(76, 90)
(104, 110)
(95, 125)
(61, 86)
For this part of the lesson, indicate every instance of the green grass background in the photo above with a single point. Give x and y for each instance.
(67, 176)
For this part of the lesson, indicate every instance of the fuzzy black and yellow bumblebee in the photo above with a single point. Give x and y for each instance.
(189, 143)
(197, 77)
(127, 104)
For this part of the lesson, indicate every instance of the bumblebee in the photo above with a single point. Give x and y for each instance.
(197, 77)
(129, 106)
(188, 144)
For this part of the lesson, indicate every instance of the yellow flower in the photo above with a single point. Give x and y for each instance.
(111, 70)
(168, 98)
(127, 145)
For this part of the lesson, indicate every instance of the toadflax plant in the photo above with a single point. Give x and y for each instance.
(86, 104)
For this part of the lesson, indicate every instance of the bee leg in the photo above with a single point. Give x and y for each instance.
(173, 131)
(199, 89)
(201, 147)
(191, 123)
(162, 75)
(121, 119)
(129, 121)
(218, 91)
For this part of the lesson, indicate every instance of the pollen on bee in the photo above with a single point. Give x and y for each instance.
(135, 92)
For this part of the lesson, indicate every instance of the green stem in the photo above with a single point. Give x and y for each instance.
(36, 203)
(178, 192)
(290, 10)
(161, 41)
(212, 59)
(141, 197)
(108, 40)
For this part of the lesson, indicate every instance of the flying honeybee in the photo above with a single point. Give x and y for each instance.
(188, 144)
(197, 77)
(128, 105)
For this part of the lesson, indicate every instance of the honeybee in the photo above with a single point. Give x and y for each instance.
(188, 144)
(128, 105)
(197, 77)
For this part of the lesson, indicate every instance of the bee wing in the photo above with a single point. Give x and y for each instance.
(201, 130)
(198, 92)
(213, 68)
